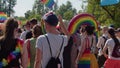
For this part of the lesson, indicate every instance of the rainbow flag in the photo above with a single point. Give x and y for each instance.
(48, 3)
(3, 17)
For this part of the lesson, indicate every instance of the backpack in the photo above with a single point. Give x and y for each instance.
(116, 51)
(54, 61)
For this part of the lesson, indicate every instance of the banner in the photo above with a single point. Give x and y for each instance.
(108, 2)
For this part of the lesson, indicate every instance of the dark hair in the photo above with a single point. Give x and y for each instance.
(37, 30)
(19, 30)
(8, 38)
(51, 19)
(112, 35)
(33, 21)
(89, 30)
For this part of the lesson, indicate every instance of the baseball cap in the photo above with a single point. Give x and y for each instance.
(51, 18)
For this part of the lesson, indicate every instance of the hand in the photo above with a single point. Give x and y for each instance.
(60, 18)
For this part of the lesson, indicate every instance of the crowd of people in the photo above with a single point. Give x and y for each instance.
(29, 47)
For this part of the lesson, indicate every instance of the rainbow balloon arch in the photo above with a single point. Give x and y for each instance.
(3, 17)
(83, 19)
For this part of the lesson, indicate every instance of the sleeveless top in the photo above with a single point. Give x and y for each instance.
(10, 59)
(31, 52)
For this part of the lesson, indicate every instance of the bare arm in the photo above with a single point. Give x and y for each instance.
(104, 51)
(38, 57)
(81, 50)
(99, 42)
(24, 56)
(64, 29)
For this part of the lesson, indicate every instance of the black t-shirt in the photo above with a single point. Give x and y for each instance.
(29, 35)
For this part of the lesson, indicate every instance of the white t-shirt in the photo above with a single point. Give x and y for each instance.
(55, 43)
(101, 43)
(23, 34)
(110, 45)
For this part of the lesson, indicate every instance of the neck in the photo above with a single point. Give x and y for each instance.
(53, 30)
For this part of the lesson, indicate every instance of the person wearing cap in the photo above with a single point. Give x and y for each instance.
(43, 53)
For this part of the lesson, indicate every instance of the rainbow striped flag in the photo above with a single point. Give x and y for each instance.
(48, 3)
(3, 17)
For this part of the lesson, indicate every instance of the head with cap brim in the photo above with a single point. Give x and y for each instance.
(51, 19)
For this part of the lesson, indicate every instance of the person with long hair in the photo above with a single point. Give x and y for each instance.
(10, 47)
(111, 62)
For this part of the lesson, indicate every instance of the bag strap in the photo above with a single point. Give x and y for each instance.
(105, 39)
(61, 46)
(50, 46)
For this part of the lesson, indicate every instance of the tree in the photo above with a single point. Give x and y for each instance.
(7, 6)
(105, 14)
(37, 11)
(66, 11)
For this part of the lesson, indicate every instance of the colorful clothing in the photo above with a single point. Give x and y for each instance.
(110, 63)
(11, 59)
(88, 60)
(32, 51)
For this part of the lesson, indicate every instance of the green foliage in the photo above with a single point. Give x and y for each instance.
(7, 6)
(66, 11)
(106, 15)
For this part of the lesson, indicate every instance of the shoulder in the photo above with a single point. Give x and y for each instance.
(110, 42)
(20, 41)
(41, 37)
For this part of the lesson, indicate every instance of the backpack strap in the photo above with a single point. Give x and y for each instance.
(105, 39)
(61, 47)
(49, 44)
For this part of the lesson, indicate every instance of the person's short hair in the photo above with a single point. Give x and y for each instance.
(51, 19)
(33, 21)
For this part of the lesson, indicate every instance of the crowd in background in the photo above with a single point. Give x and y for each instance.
(29, 47)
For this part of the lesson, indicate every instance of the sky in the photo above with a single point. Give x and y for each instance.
(24, 5)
